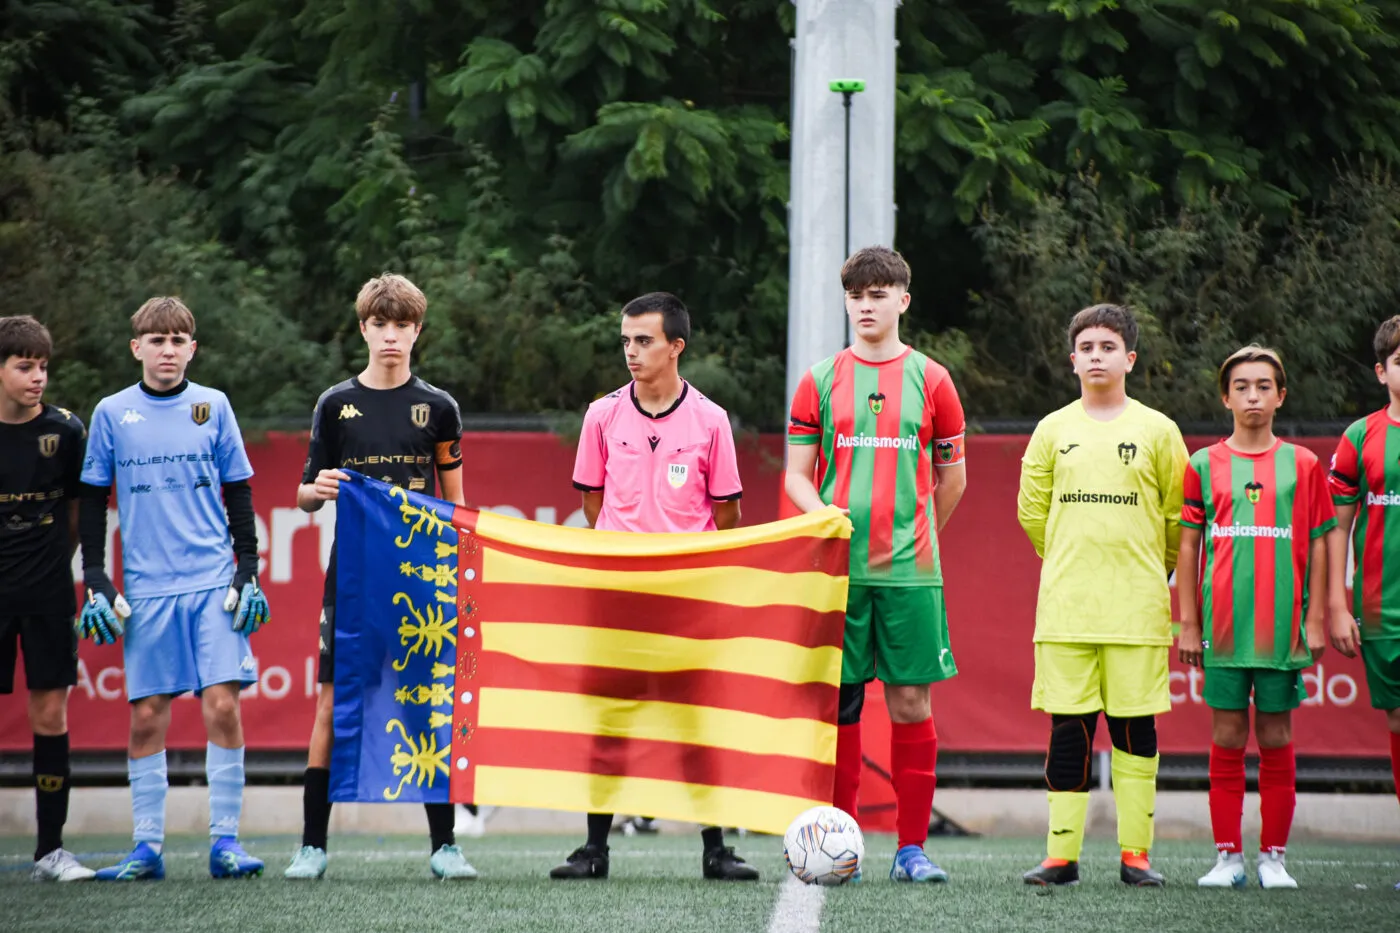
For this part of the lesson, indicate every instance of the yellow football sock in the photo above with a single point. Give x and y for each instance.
(1135, 796)
(1068, 810)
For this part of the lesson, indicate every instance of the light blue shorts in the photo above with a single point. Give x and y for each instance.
(175, 644)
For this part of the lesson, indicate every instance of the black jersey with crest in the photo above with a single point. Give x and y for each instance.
(40, 463)
(388, 434)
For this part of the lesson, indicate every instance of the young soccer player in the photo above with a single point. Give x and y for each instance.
(1365, 481)
(189, 567)
(875, 424)
(656, 456)
(1257, 510)
(386, 423)
(41, 456)
(1100, 499)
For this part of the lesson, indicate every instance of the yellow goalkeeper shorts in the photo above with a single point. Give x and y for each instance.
(1122, 680)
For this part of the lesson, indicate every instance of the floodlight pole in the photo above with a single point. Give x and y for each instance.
(847, 88)
(832, 208)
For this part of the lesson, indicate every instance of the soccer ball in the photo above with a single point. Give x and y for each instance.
(824, 846)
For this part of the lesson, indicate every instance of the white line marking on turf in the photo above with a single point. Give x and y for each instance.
(798, 908)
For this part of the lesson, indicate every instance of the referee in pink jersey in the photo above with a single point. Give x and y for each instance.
(656, 456)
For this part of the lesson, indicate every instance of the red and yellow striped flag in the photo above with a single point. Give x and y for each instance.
(497, 661)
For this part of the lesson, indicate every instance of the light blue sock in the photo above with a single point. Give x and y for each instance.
(148, 786)
(224, 768)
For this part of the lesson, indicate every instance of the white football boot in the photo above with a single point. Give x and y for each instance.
(60, 865)
(1227, 873)
(1272, 874)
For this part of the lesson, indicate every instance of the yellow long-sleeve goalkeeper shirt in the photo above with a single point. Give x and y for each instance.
(1101, 502)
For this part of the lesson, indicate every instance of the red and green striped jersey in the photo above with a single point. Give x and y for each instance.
(1258, 515)
(882, 428)
(1366, 473)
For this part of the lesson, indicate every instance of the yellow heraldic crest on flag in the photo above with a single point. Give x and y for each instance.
(420, 763)
(687, 676)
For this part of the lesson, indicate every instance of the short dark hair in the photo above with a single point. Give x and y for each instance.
(162, 315)
(1252, 354)
(872, 266)
(1116, 318)
(24, 337)
(1387, 339)
(675, 319)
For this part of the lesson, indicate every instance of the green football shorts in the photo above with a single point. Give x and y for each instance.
(1382, 658)
(898, 633)
(1274, 691)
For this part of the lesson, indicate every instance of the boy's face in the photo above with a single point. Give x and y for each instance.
(390, 342)
(1389, 373)
(1254, 394)
(1101, 359)
(874, 311)
(164, 358)
(649, 354)
(22, 380)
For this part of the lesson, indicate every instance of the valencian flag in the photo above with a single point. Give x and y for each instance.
(486, 659)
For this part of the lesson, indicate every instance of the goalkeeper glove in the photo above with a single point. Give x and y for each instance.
(105, 613)
(246, 601)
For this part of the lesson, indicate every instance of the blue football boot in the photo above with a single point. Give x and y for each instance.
(911, 864)
(143, 864)
(228, 860)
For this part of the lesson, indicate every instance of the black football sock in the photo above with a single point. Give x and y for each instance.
(51, 778)
(440, 819)
(712, 837)
(599, 825)
(316, 807)
(471, 808)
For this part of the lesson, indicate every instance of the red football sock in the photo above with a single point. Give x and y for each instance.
(846, 794)
(1395, 760)
(1227, 797)
(913, 756)
(1278, 794)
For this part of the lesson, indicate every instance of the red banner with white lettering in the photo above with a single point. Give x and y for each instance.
(991, 573)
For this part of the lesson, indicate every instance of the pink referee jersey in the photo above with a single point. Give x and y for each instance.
(657, 473)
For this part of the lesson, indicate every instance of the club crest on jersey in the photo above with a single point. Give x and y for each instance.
(876, 402)
(419, 414)
(199, 412)
(676, 474)
(48, 445)
(1253, 491)
(1127, 452)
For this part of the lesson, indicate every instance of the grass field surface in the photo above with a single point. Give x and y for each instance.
(383, 884)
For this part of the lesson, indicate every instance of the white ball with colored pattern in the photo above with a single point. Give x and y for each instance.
(824, 846)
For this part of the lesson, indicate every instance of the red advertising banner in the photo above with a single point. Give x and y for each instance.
(991, 570)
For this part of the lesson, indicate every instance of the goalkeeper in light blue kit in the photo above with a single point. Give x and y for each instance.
(189, 570)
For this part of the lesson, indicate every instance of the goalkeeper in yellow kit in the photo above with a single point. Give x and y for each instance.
(1100, 498)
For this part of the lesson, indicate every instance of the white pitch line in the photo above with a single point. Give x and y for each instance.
(798, 908)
